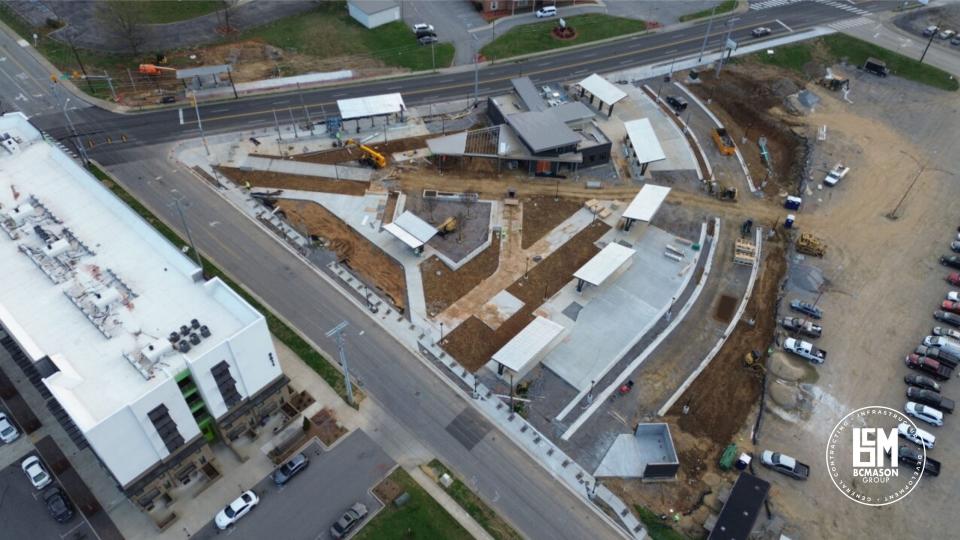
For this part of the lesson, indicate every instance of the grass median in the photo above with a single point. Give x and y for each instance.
(478, 510)
(656, 527)
(277, 327)
(723, 7)
(536, 37)
(829, 50)
(419, 517)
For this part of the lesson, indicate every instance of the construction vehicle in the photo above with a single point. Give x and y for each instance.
(448, 226)
(370, 156)
(810, 245)
(722, 191)
(834, 81)
(753, 360)
(724, 142)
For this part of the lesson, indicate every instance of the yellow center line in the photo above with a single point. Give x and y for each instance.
(469, 84)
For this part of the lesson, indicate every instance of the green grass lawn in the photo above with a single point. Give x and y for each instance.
(656, 527)
(537, 37)
(857, 51)
(478, 510)
(792, 57)
(723, 7)
(420, 518)
(167, 11)
(329, 32)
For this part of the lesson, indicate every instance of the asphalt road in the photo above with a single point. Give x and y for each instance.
(305, 508)
(97, 125)
(504, 476)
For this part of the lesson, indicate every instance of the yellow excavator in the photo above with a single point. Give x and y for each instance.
(371, 156)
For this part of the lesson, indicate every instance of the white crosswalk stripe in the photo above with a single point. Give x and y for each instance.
(850, 23)
(844, 6)
(767, 4)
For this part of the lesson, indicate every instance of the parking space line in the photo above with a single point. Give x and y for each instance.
(75, 527)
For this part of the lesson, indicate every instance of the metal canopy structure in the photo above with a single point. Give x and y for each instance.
(646, 203)
(643, 142)
(366, 107)
(604, 264)
(522, 352)
(602, 89)
(411, 230)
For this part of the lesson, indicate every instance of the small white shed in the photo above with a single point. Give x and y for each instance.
(374, 13)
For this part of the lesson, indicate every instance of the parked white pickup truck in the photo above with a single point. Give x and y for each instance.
(805, 349)
(836, 175)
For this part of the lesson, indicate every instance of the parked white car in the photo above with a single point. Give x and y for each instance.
(35, 471)
(918, 436)
(422, 28)
(925, 413)
(236, 510)
(953, 296)
(8, 433)
(546, 11)
(836, 174)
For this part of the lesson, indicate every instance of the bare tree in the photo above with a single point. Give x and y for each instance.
(125, 21)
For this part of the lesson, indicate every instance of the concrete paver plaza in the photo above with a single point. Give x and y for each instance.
(614, 313)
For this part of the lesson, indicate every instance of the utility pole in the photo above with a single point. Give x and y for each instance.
(276, 123)
(73, 130)
(337, 333)
(234, 86)
(724, 47)
(183, 220)
(196, 109)
(929, 41)
(707, 35)
(476, 74)
(294, 122)
(306, 111)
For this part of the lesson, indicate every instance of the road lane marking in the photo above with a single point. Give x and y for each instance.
(469, 84)
(181, 116)
(785, 26)
(220, 110)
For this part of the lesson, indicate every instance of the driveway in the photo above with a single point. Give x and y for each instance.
(307, 506)
(24, 514)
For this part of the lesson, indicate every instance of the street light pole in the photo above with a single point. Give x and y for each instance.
(723, 47)
(929, 41)
(706, 36)
(196, 109)
(337, 332)
(73, 130)
(306, 111)
(476, 74)
(186, 228)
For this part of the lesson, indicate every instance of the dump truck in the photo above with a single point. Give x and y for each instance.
(804, 349)
(810, 244)
(724, 142)
(784, 464)
(801, 326)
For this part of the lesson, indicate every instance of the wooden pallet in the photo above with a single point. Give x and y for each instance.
(745, 252)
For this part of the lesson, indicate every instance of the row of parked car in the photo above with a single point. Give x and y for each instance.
(57, 502)
(942, 33)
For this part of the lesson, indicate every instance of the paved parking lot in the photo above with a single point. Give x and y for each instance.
(307, 506)
(24, 515)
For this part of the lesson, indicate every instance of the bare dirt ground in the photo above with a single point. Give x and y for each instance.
(352, 153)
(269, 179)
(542, 213)
(473, 342)
(378, 269)
(443, 286)
(748, 100)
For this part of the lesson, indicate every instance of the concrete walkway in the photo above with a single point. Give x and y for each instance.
(451, 506)
(304, 168)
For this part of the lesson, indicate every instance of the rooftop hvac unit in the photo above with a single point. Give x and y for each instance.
(174, 337)
(194, 324)
(56, 248)
(204, 331)
(194, 339)
(105, 298)
(20, 213)
(157, 350)
(183, 346)
(184, 330)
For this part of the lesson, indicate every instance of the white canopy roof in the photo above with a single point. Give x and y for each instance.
(602, 89)
(527, 346)
(604, 264)
(646, 203)
(411, 230)
(644, 141)
(364, 107)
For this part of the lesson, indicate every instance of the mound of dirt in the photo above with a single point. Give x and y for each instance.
(785, 395)
(785, 367)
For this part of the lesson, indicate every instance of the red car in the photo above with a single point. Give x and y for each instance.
(931, 366)
(954, 278)
(953, 307)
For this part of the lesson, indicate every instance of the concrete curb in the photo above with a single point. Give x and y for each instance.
(726, 333)
(656, 343)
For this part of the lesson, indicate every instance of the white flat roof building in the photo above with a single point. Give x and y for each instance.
(119, 311)
(528, 347)
(365, 107)
(611, 259)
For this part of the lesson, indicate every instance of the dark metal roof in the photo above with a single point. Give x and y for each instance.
(528, 93)
(741, 509)
(542, 131)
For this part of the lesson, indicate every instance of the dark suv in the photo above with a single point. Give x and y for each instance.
(952, 261)
(678, 104)
(58, 504)
(950, 318)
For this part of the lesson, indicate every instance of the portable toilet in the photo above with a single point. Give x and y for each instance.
(792, 203)
(788, 223)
